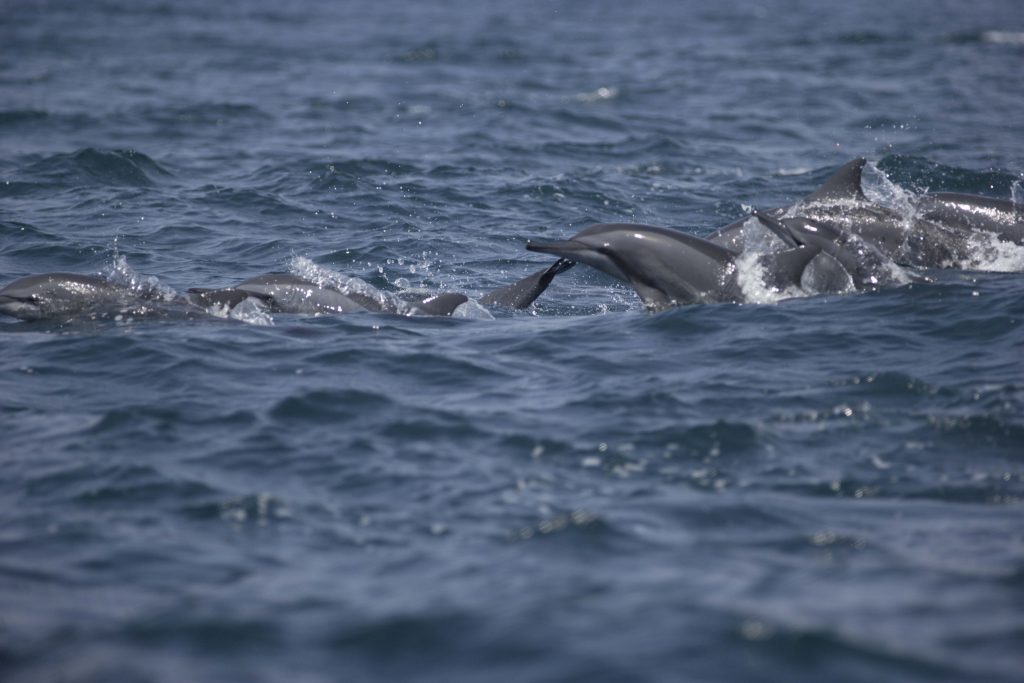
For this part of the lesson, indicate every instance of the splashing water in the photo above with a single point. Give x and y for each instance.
(751, 277)
(989, 253)
(879, 189)
(325, 277)
(146, 287)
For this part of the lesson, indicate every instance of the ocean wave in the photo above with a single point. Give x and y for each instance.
(92, 166)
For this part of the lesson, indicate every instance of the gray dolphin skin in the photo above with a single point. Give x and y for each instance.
(522, 293)
(280, 293)
(937, 235)
(50, 295)
(287, 293)
(665, 267)
(670, 268)
(53, 295)
(840, 193)
(971, 212)
(866, 265)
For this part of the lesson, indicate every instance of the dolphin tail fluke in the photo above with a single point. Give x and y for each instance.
(522, 293)
(565, 249)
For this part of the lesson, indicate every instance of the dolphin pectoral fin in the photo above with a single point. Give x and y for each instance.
(843, 185)
(778, 227)
(825, 275)
(654, 299)
(442, 304)
(784, 269)
(522, 293)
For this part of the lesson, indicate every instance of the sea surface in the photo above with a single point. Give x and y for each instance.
(804, 489)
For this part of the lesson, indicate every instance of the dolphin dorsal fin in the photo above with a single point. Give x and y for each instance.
(843, 185)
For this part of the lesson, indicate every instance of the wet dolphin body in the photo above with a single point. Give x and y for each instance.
(843, 187)
(50, 295)
(936, 237)
(866, 265)
(1003, 217)
(280, 293)
(287, 293)
(669, 268)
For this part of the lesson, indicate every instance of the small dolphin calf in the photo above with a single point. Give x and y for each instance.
(49, 295)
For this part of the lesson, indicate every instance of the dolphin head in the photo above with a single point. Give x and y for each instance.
(41, 296)
(593, 246)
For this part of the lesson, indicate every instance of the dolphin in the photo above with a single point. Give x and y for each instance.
(288, 293)
(50, 295)
(280, 293)
(937, 237)
(841, 189)
(866, 265)
(669, 268)
(1003, 217)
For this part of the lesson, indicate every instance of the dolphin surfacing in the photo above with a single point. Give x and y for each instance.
(50, 295)
(665, 267)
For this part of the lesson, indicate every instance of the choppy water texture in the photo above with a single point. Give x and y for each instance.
(824, 488)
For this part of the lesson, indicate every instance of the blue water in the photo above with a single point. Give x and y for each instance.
(820, 488)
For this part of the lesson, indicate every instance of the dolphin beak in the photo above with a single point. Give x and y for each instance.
(567, 248)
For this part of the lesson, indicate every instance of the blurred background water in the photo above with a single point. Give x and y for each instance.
(825, 488)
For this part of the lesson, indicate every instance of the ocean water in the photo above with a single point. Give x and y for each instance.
(805, 489)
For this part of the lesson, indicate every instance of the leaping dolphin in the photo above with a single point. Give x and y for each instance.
(669, 268)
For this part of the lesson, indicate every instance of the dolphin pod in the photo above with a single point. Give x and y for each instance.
(831, 241)
(64, 295)
(834, 240)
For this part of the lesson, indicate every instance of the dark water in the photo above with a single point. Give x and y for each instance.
(823, 488)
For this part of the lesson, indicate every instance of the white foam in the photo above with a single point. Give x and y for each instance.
(252, 311)
(750, 276)
(989, 253)
(472, 310)
(1003, 37)
(879, 189)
